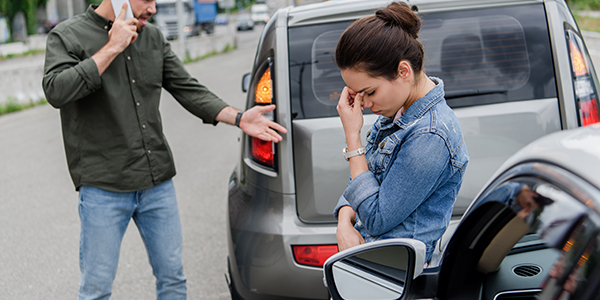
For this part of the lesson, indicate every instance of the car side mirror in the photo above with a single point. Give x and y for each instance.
(246, 82)
(382, 270)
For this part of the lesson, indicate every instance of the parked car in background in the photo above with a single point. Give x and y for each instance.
(532, 234)
(244, 22)
(222, 19)
(513, 70)
(260, 13)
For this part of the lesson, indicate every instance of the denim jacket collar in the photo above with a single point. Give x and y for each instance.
(417, 109)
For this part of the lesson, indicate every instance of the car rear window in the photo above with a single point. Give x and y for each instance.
(484, 56)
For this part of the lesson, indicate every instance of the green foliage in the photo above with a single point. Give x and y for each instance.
(9, 8)
(13, 105)
(584, 4)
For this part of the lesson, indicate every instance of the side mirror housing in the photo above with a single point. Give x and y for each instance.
(246, 82)
(383, 269)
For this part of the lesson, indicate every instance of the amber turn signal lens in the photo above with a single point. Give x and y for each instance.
(264, 89)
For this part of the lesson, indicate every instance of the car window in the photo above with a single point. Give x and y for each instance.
(484, 56)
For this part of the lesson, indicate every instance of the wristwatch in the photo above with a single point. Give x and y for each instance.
(348, 154)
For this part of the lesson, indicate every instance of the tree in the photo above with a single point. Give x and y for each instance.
(9, 8)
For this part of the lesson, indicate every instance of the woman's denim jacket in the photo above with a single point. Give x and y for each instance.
(416, 168)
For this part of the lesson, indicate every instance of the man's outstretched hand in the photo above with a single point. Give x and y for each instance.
(255, 124)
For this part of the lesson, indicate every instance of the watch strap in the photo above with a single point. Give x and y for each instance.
(238, 118)
(350, 154)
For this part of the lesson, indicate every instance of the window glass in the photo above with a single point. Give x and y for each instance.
(477, 54)
(500, 55)
(546, 231)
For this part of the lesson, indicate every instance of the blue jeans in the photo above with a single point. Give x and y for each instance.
(104, 218)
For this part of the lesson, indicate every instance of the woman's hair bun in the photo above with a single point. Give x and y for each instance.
(400, 14)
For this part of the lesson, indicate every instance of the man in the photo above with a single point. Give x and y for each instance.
(105, 74)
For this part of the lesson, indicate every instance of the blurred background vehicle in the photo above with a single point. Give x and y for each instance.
(200, 16)
(222, 19)
(244, 22)
(260, 13)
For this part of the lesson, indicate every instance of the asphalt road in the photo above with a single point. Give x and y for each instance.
(39, 223)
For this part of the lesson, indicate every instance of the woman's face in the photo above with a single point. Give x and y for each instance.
(382, 96)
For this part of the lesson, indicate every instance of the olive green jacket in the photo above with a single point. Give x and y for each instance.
(112, 129)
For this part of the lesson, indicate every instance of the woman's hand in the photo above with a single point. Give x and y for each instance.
(350, 110)
(347, 236)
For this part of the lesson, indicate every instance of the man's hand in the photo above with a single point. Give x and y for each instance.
(347, 236)
(255, 124)
(122, 33)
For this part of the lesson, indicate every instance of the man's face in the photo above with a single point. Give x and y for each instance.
(143, 10)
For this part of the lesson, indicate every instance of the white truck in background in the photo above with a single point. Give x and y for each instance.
(199, 15)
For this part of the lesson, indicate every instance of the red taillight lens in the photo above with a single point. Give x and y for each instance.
(586, 95)
(589, 112)
(314, 255)
(263, 151)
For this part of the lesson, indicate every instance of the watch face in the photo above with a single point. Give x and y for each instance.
(344, 152)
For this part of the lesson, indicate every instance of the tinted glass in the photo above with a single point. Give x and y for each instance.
(500, 55)
(541, 236)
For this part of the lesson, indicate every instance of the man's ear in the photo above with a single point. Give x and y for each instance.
(404, 70)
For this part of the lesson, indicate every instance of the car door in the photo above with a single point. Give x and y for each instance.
(532, 234)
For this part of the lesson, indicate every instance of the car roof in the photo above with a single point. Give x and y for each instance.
(344, 10)
(576, 150)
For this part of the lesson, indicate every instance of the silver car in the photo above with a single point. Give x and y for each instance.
(532, 234)
(513, 70)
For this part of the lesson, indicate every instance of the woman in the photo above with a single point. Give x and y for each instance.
(415, 157)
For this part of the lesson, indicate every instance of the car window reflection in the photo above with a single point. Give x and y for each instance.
(545, 216)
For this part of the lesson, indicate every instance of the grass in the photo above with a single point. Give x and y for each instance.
(13, 105)
(587, 23)
(30, 52)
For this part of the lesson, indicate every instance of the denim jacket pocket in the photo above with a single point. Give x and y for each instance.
(383, 155)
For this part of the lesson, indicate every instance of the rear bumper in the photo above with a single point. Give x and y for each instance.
(263, 226)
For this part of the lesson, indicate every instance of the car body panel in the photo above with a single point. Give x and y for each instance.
(321, 172)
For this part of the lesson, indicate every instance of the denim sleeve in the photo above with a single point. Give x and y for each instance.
(341, 202)
(417, 170)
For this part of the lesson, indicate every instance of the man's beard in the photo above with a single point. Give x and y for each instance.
(146, 16)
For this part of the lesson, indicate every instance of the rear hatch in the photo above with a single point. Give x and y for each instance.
(498, 70)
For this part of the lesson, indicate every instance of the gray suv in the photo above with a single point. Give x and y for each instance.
(513, 71)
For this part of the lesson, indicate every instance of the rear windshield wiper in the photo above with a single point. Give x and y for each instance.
(473, 92)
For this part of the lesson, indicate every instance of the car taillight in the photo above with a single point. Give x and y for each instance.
(264, 89)
(313, 255)
(260, 151)
(586, 95)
